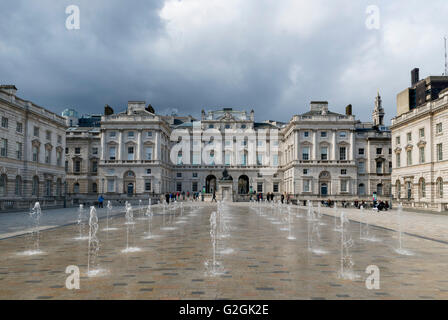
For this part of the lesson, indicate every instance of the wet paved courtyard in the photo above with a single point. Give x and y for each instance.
(256, 259)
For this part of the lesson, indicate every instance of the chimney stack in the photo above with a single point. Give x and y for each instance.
(348, 110)
(415, 77)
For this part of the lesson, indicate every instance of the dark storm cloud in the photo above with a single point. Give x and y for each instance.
(272, 56)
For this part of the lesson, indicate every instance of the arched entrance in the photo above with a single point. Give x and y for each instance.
(210, 184)
(243, 184)
(129, 182)
(130, 188)
(324, 183)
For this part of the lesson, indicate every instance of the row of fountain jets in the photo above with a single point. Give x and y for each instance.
(219, 229)
(275, 212)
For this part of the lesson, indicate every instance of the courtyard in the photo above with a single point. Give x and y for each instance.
(254, 251)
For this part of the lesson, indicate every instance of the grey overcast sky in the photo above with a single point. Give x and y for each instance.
(186, 55)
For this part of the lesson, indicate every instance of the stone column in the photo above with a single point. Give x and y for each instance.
(139, 145)
(333, 149)
(120, 145)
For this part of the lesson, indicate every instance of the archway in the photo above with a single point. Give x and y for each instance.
(130, 188)
(129, 182)
(210, 184)
(243, 184)
(324, 183)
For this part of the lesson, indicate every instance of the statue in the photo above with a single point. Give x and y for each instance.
(225, 175)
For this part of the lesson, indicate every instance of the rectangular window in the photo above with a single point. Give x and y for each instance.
(306, 153)
(323, 134)
(439, 152)
(77, 168)
(77, 150)
(94, 166)
(398, 160)
(409, 154)
(149, 134)
(379, 167)
(19, 127)
(342, 153)
(130, 153)
(259, 159)
(324, 153)
(48, 135)
(5, 122)
(361, 167)
(422, 132)
(275, 187)
(306, 134)
(342, 134)
(196, 158)
(95, 151)
(47, 156)
(179, 174)
(36, 131)
(306, 185)
(227, 158)
(179, 186)
(422, 154)
(379, 150)
(244, 159)
(110, 185)
(275, 160)
(409, 135)
(59, 139)
(35, 154)
(148, 153)
(305, 172)
(112, 134)
(148, 171)
(344, 184)
(58, 158)
(259, 186)
(48, 188)
(343, 171)
(147, 185)
(194, 186)
(195, 175)
(439, 128)
(4, 148)
(19, 151)
(397, 140)
(361, 151)
(131, 134)
(112, 153)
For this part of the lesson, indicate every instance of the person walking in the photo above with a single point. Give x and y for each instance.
(100, 201)
(214, 196)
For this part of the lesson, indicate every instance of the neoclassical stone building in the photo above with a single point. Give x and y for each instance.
(32, 143)
(420, 162)
(317, 155)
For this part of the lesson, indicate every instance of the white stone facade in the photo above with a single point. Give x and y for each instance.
(32, 153)
(420, 156)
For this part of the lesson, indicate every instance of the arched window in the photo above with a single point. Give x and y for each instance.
(362, 189)
(439, 185)
(18, 189)
(3, 183)
(35, 187)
